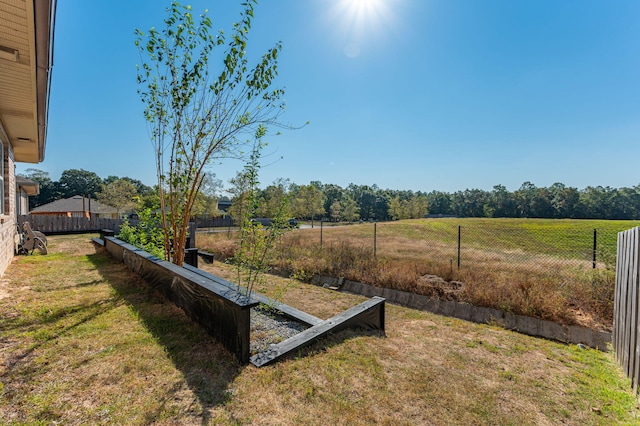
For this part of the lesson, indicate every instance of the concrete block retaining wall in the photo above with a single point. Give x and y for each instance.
(523, 324)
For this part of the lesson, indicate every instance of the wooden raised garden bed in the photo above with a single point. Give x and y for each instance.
(225, 313)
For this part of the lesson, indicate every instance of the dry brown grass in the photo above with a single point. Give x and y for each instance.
(513, 280)
(446, 372)
(85, 341)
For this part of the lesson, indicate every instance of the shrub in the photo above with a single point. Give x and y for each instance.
(147, 234)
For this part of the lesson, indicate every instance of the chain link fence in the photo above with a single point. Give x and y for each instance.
(464, 247)
(534, 268)
(498, 245)
(551, 269)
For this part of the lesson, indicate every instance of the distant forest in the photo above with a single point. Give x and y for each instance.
(362, 202)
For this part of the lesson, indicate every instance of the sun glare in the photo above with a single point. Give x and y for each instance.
(360, 21)
(364, 4)
(363, 15)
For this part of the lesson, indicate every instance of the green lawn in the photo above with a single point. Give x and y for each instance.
(566, 238)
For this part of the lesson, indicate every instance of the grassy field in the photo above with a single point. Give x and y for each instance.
(536, 267)
(84, 341)
(566, 238)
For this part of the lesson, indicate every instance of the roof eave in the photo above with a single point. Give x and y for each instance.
(44, 11)
(28, 186)
(41, 18)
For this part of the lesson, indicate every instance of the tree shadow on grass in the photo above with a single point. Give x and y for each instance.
(46, 324)
(206, 365)
(44, 288)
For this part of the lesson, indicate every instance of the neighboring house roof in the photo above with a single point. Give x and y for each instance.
(26, 57)
(28, 186)
(77, 203)
(224, 205)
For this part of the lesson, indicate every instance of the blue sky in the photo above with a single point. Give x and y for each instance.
(406, 94)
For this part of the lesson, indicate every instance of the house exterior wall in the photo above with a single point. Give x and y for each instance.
(8, 216)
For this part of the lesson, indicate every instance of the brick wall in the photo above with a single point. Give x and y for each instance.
(8, 217)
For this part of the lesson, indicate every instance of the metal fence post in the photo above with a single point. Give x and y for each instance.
(595, 246)
(375, 239)
(459, 234)
(321, 222)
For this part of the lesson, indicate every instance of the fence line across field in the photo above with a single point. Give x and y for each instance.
(597, 251)
(454, 246)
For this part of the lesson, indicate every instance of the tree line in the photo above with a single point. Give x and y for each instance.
(82, 182)
(331, 202)
(363, 202)
(557, 201)
(124, 193)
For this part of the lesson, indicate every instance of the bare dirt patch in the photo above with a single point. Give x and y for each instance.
(69, 244)
(3, 288)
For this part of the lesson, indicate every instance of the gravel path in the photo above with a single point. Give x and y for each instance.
(268, 328)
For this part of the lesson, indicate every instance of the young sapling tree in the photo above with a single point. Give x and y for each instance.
(257, 241)
(196, 117)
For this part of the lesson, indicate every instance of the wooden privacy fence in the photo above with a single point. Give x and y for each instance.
(213, 222)
(69, 225)
(63, 224)
(626, 318)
